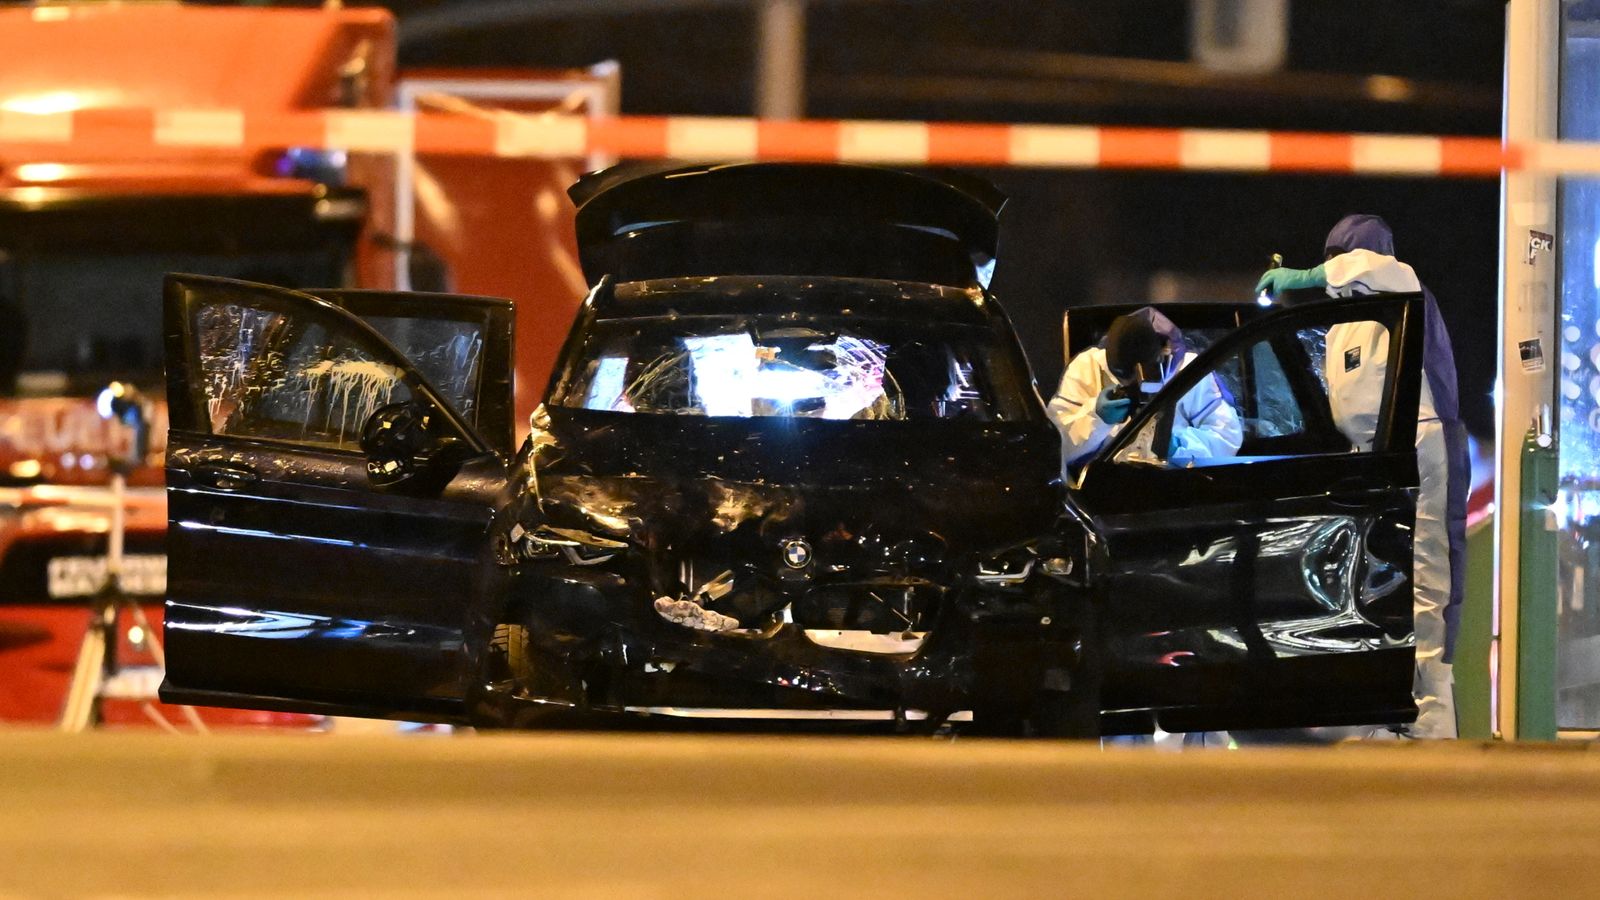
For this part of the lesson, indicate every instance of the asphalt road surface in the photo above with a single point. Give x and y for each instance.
(635, 815)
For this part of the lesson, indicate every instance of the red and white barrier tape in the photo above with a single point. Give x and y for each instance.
(112, 132)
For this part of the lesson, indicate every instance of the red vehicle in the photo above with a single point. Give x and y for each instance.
(89, 227)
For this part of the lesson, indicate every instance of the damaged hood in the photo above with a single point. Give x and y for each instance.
(638, 222)
(663, 481)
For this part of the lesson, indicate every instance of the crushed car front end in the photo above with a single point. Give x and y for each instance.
(811, 498)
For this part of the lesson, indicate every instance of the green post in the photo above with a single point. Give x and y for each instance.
(1475, 640)
(1536, 589)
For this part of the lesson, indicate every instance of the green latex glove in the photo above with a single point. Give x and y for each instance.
(1276, 281)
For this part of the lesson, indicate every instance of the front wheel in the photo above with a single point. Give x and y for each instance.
(512, 672)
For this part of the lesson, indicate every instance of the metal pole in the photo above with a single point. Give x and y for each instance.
(1239, 36)
(405, 200)
(605, 99)
(83, 695)
(97, 658)
(1527, 321)
(781, 60)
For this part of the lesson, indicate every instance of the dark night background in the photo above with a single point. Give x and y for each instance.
(1070, 238)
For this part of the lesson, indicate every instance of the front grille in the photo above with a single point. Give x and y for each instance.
(823, 594)
(882, 607)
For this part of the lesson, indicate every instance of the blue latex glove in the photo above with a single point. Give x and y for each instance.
(1176, 445)
(1112, 410)
(1275, 281)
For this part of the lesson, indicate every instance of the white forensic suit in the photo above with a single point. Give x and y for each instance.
(1206, 425)
(1356, 367)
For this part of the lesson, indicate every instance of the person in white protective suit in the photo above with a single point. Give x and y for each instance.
(1359, 259)
(1141, 351)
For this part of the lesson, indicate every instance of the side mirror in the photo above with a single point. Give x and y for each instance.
(401, 447)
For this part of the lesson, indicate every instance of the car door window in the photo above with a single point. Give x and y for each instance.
(1276, 409)
(1316, 390)
(448, 352)
(275, 375)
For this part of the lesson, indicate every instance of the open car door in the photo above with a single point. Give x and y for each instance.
(1271, 588)
(333, 465)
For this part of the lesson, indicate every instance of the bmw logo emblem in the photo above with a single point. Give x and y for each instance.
(796, 553)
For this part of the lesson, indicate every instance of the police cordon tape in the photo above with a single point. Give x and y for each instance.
(135, 132)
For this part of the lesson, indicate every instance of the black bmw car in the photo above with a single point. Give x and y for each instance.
(791, 465)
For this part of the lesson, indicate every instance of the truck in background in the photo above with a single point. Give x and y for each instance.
(89, 227)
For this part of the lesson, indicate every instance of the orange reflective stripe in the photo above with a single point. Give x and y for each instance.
(1141, 148)
(978, 145)
(141, 133)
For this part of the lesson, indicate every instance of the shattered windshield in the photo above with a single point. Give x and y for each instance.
(778, 365)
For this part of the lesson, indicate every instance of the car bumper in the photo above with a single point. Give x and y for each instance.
(596, 642)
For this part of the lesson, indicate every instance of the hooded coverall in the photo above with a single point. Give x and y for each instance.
(1362, 261)
(1205, 426)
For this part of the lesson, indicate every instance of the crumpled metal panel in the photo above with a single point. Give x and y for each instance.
(891, 513)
